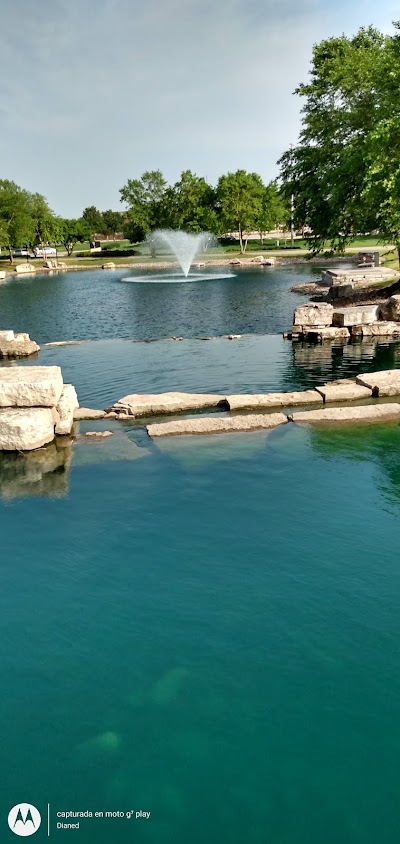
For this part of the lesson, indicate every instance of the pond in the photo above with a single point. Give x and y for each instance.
(205, 629)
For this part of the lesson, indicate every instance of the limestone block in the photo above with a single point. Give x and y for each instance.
(346, 390)
(25, 268)
(366, 413)
(66, 407)
(30, 386)
(217, 424)
(110, 265)
(27, 428)
(317, 335)
(88, 413)
(141, 405)
(3, 275)
(384, 383)
(252, 402)
(314, 313)
(341, 291)
(390, 310)
(364, 315)
(377, 329)
(8, 336)
(20, 345)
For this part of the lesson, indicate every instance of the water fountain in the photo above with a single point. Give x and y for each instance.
(184, 245)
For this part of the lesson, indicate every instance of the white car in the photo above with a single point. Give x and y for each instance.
(46, 252)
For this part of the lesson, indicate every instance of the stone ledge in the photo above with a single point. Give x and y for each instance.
(217, 424)
(344, 391)
(384, 383)
(367, 413)
(30, 386)
(260, 400)
(154, 403)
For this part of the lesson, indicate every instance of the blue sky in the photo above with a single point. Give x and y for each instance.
(92, 93)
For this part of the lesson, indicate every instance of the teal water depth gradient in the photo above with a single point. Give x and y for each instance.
(209, 632)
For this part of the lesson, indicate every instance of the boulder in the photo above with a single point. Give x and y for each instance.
(30, 386)
(313, 314)
(235, 262)
(341, 291)
(26, 428)
(346, 390)
(3, 275)
(81, 413)
(109, 266)
(366, 413)
(377, 329)
(384, 383)
(25, 268)
(363, 315)
(16, 345)
(217, 424)
(252, 402)
(142, 405)
(259, 259)
(390, 310)
(67, 405)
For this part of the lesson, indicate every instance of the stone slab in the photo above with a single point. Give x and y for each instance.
(81, 413)
(24, 429)
(30, 386)
(344, 391)
(66, 407)
(18, 347)
(318, 335)
(366, 413)
(143, 405)
(377, 329)
(384, 383)
(260, 400)
(346, 317)
(217, 424)
(314, 313)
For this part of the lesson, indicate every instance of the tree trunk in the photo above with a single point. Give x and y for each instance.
(261, 238)
(245, 243)
(10, 252)
(398, 253)
(241, 240)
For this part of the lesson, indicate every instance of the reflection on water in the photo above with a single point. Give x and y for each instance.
(44, 472)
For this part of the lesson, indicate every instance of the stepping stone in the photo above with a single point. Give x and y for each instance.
(217, 424)
(367, 413)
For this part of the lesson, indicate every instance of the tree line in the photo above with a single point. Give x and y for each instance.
(240, 202)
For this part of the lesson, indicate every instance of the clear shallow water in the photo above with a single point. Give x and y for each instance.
(95, 304)
(209, 633)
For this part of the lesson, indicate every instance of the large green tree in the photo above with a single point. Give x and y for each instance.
(240, 199)
(344, 172)
(16, 222)
(74, 231)
(191, 205)
(144, 200)
(274, 210)
(94, 219)
(112, 222)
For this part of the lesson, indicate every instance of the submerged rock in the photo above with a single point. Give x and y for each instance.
(217, 424)
(82, 413)
(366, 413)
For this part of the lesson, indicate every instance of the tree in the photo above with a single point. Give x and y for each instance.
(274, 210)
(112, 222)
(45, 225)
(74, 231)
(94, 218)
(16, 223)
(191, 205)
(144, 198)
(240, 197)
(344, 171)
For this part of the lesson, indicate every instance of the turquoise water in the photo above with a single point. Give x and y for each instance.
(209, 632)
(203, 628)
